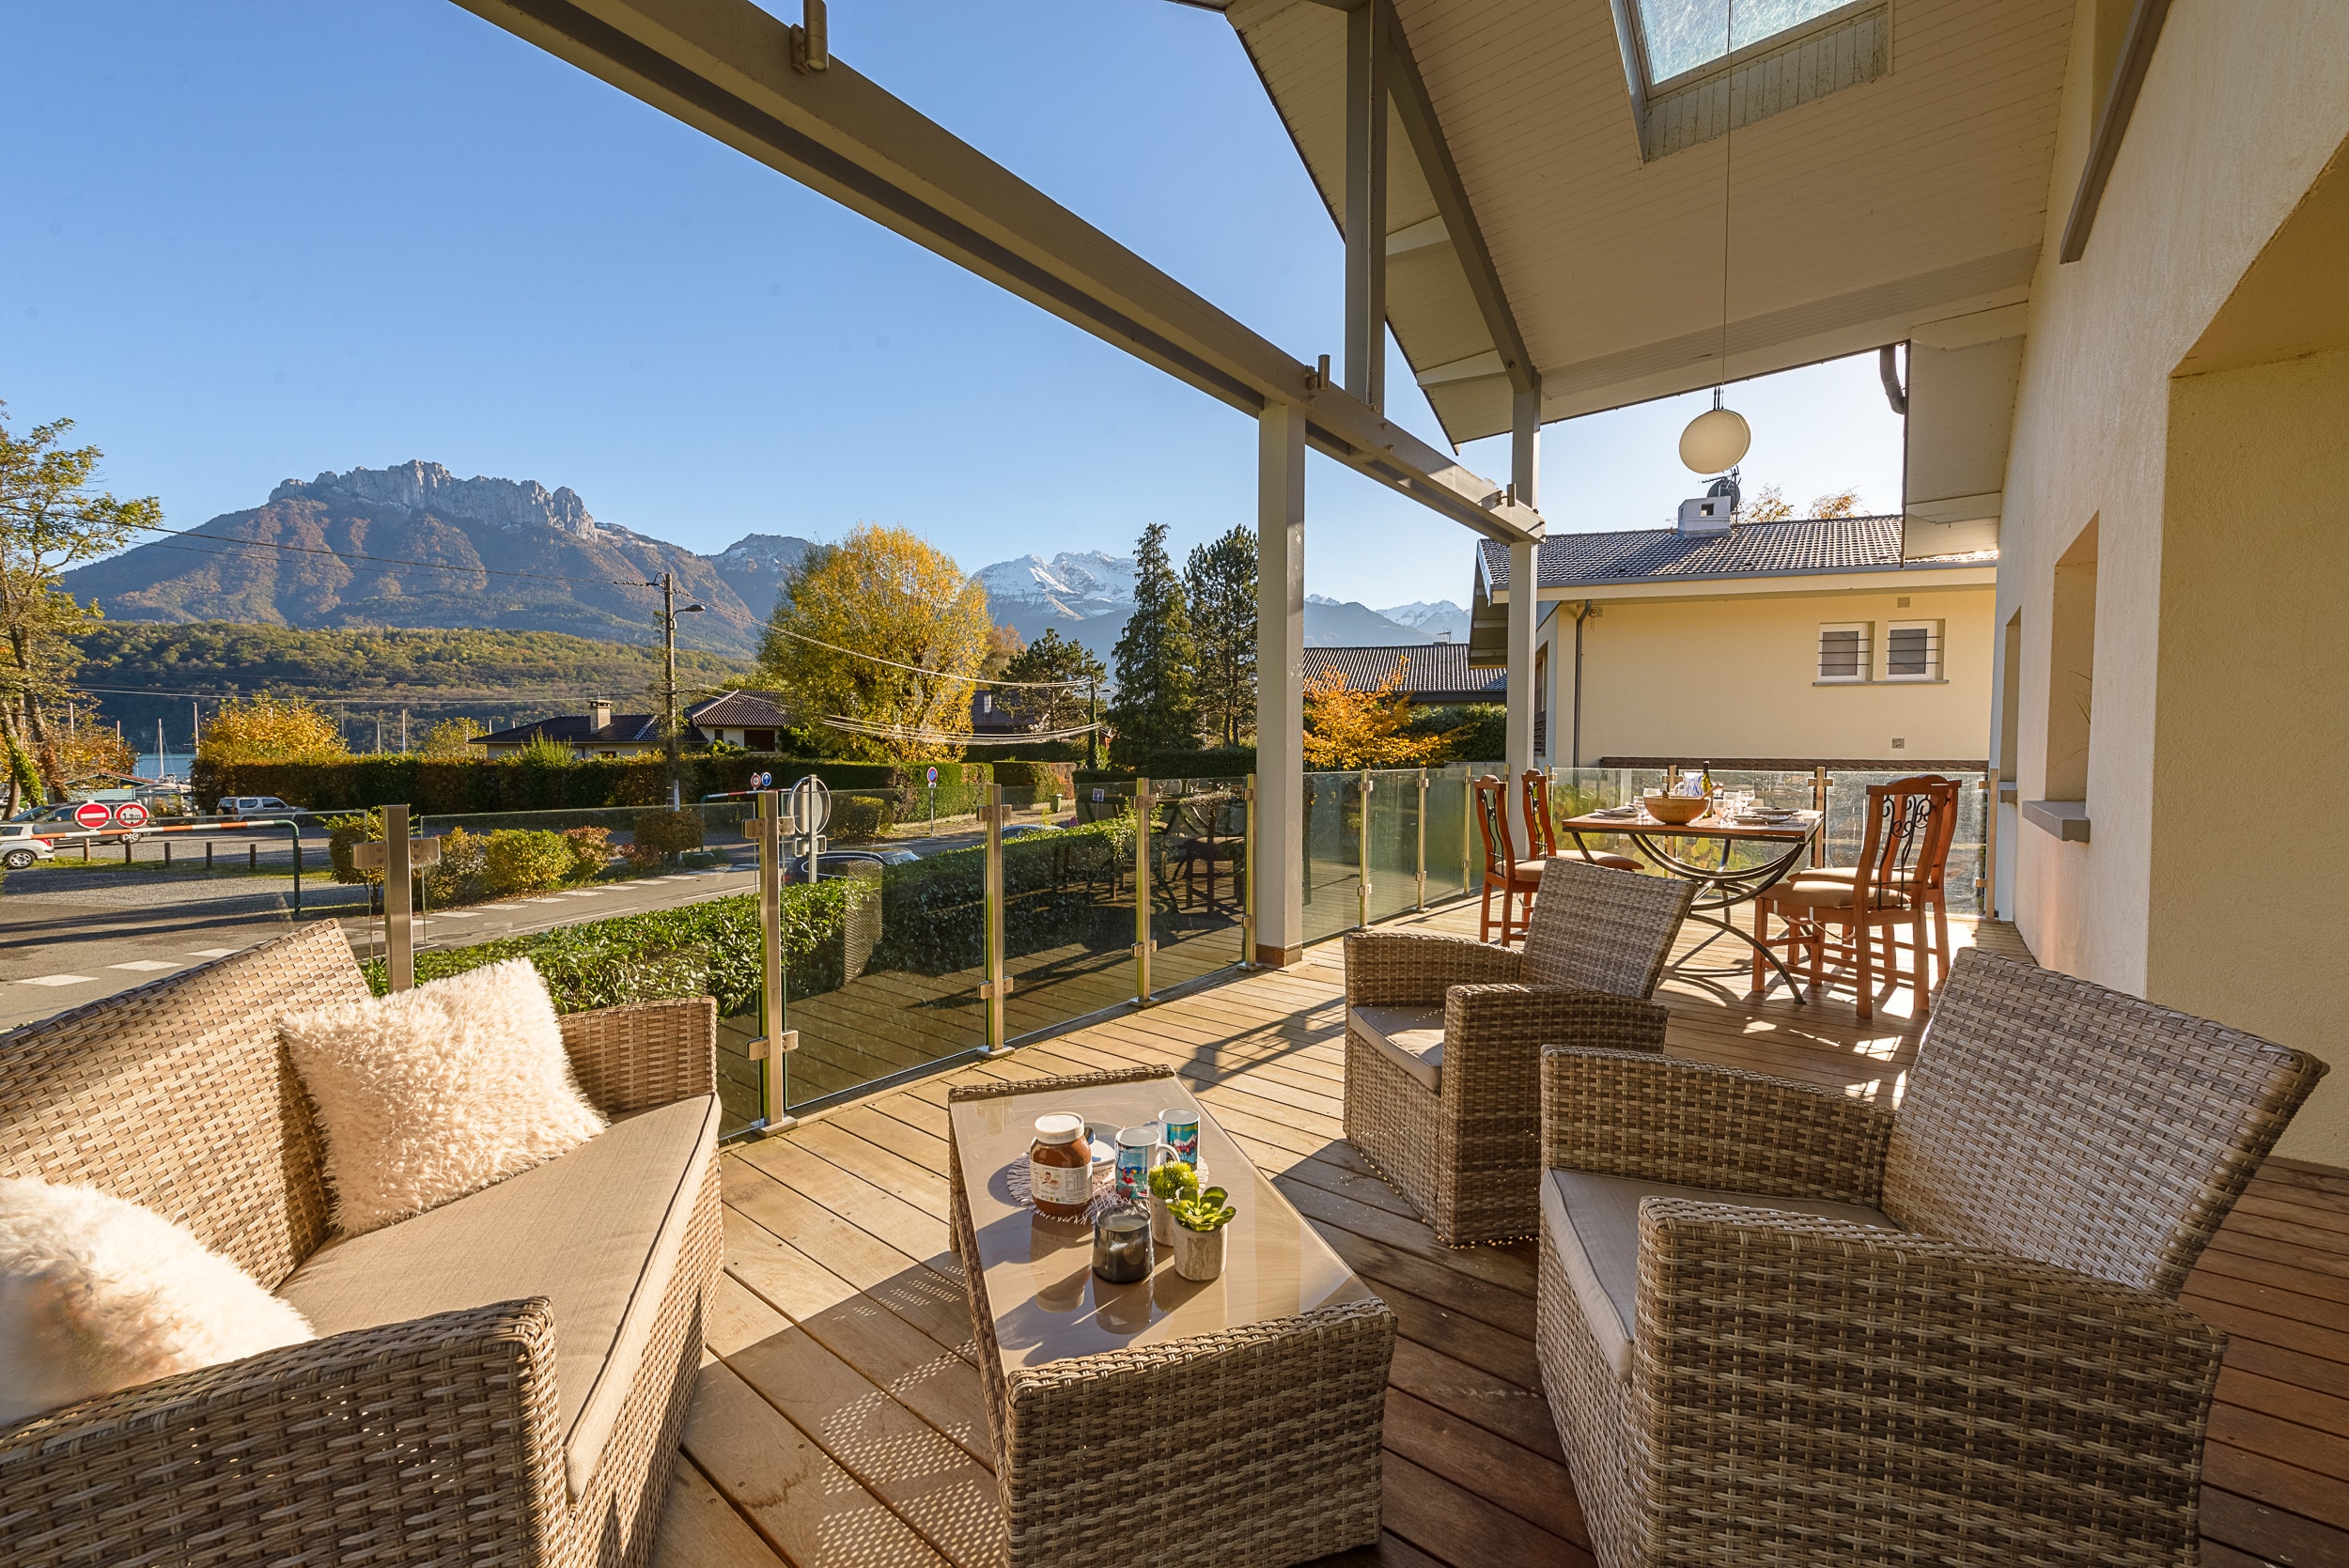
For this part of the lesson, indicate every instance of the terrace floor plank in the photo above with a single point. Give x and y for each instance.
(841, 1419)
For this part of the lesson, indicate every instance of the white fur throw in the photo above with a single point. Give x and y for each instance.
(425, 1095)
(97, 1293)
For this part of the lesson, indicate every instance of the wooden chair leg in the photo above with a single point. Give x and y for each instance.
(1484, 913)
(1815, 932)
(1761, 944)
(1865, 942)
(1941, 939)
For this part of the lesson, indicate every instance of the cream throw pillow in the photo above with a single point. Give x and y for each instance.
(97, 1293)
(425, 1095)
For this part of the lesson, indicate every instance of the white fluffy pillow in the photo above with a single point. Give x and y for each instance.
(425, 1095)
(97, 1293)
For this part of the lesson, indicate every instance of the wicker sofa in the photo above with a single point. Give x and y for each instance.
(1443, 1039)
(499, 1380)
(1776, 1325)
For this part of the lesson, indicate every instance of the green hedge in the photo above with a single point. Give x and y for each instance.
(452, 786)
(1056, 889)
(700, 950)
(1214, 762)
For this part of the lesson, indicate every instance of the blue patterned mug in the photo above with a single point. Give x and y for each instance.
(1181, 1129)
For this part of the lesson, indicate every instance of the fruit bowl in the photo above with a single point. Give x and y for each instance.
(1675, 809)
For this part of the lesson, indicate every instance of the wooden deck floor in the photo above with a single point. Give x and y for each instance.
(838, 1422)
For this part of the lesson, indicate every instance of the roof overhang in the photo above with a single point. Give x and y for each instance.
(1915, 577)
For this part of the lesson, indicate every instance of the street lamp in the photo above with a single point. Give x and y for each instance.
(670, 611)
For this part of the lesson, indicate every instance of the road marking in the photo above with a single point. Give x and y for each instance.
(57, 980)
(215, 952)
(542, 901)
(143, 965)
(452, 914)
(576, 893)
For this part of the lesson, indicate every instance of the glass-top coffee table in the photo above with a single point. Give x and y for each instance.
(1233, 1423)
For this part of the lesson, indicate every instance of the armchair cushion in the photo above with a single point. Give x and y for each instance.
(597, 1232)
(1594, 1223)
(1411, 1037)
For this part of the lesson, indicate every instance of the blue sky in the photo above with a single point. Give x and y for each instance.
(257, 240)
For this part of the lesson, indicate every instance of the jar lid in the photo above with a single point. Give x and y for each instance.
(1061, 1126)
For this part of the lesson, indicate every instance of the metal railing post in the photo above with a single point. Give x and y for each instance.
(996, 986)
(399, 939)
(1419, 899)
(1142, 944)
(1247, 870)
(1819, 782)
(775, 1039)
(1467, 832)
(1986, 885)
(1361, 857)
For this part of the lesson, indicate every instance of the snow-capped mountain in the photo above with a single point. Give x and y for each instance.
(1070, 587)
(1431, 619)
(1346, 624)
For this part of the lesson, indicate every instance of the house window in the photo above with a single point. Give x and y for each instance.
(1912, 650)
(758, 741)
(986, 702)
(1681, 35)
(1844, 653)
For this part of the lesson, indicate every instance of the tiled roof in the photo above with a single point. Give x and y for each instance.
(575, 729)
(1748, 549)
(1438, 672)
(740, 710)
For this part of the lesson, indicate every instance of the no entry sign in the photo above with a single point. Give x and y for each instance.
(92, 814)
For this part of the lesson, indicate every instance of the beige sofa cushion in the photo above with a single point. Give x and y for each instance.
(1593, 1222)
(597, 1231)
(1411, 1037)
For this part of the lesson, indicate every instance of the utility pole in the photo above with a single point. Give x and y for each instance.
(1093, 717)
(669, 612)
(403, 732)
(196, 732)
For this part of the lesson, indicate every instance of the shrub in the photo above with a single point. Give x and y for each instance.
(524, 860)
(590, 851)
(462, 874)
(933, 911)
(861, 818)
(342, 834)
(661, 833)
(709, 949)
(1480, 730)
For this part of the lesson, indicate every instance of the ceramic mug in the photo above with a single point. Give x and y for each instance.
(1138, 1150)
(1182, 1134)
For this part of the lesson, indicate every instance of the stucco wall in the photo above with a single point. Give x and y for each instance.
(2241, 110)
(1737, 677)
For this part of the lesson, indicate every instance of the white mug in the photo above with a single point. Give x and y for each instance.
(1139, 1149)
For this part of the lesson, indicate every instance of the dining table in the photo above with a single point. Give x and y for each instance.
(1789, 836)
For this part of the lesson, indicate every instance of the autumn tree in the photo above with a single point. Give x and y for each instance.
(885, 635)
(1769, 504)
(270, 729)
(453, 738)
(1220, 582)
(85, 749)
(1346, 727)
(1839, 503)
(52, 520)
(1156, 708)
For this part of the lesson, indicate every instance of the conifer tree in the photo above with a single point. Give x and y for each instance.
(1156, 706)
(1221, 580)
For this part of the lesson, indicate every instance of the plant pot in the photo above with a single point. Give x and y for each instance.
(1199, 1254)
(1161, 1222)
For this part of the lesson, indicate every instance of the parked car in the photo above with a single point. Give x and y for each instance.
(250, 805)
(56, 822)
(838, 863)
(20, 845)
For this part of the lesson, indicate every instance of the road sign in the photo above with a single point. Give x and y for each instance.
(92, 814)
(933, 778)
(811, 806)
(130, 814)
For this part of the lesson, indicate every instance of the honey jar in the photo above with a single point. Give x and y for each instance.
(1060, 1166)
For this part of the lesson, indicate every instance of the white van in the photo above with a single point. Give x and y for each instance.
(250, 805)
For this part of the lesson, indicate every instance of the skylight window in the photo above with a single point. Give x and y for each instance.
(1680, 35)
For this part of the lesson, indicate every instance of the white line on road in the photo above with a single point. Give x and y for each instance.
(453, 914)
(57, 980)
(215, 952)
(143, 965)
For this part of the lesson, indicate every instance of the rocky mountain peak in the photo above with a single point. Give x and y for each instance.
(515, 506)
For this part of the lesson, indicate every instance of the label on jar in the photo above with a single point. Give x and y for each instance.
(1061, 1184)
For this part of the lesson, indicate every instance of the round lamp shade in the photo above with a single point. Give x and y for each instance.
(1715, 441)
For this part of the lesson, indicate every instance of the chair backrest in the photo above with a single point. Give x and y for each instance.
(1905, 837)
(1540, 831)
(179, 1096)
(1492, 820)
(2052, 1118)
(1602, 929)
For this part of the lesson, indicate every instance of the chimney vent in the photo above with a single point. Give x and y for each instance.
(599, 714)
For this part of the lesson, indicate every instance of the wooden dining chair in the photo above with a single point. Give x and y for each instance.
(1855, 919)
(1541, 828)
(1514, 879)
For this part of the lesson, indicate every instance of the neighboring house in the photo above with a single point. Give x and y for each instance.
(752, 720)
(1434, 675)
(1766, 645)
(989, 716)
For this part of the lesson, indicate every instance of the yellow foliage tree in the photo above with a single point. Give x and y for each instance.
(886, 633)
(453, 738)
(271, 729)
(1345, 728)
(84, 749)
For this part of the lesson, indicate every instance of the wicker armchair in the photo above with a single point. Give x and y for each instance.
(1777, 1325)
(446, 1437)
(1443, 1039)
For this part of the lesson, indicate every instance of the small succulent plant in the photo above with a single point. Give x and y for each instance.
(1204, 1211)
(1173, 1180)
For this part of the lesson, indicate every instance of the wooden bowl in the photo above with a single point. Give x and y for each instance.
(1676, 809)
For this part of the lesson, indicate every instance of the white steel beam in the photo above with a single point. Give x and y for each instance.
(725, 67)
(1366, 38)
(1279, 852)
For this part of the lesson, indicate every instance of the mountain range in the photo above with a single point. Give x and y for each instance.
(414, 546)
